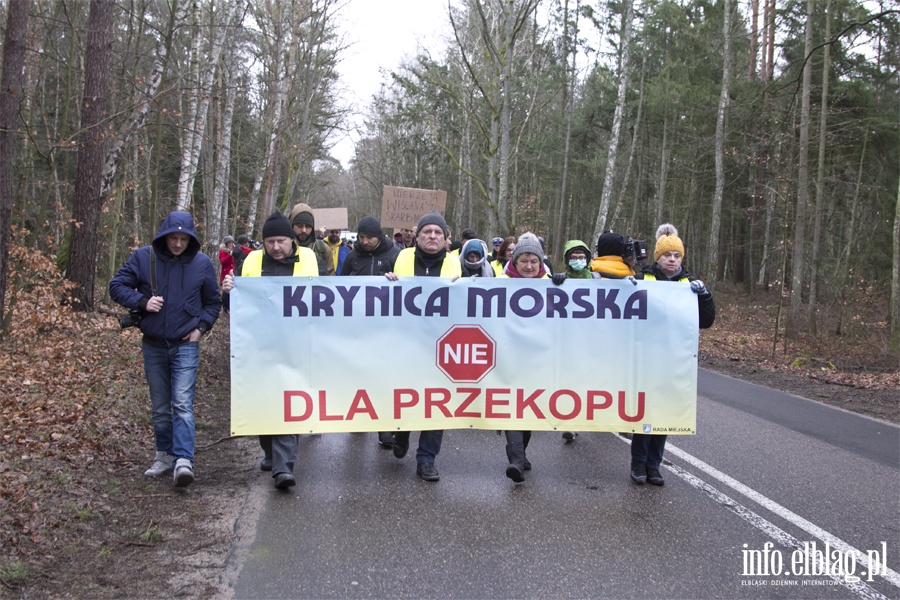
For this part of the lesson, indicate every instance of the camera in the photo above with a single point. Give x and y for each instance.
(254, 244)
(637, 248)
(132, 319)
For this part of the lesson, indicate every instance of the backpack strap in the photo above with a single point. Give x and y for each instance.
(153, 288)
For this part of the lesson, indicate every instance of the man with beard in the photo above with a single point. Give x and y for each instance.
(304, 225)
(373, 254)
(428, 258)
(339, 250)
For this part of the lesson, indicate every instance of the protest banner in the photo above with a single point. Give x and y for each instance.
(332, 354)
(403, 207)
(331, 218)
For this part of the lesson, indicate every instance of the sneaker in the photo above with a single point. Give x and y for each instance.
(265, 464)
(655, 477)
(569, 436)
(639, 472)
(284, 480)
(386, 439)
(184, 473)
(161, 464)
(427, 471)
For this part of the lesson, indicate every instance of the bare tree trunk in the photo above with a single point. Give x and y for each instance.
(139, 114)
(87, 200)
(200, 108)
(189, 120)
(283, 70)
(610, 177)
(10, 96)
(571, 47)
(635, 137)
(712, 260)
(820, 176)
(798, 254)
(663, 171)
(895, 279)
(770, 195)
(754, 37)
(254, 204)
(223, 160)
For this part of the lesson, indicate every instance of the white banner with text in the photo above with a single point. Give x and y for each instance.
(354, 354)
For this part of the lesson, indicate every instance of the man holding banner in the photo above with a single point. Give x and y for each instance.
(281, 257)
(428, 258)
(374, 255)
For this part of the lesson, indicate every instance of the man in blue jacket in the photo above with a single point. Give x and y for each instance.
(174, 310)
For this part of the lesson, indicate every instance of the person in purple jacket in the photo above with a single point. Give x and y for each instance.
(173, 310)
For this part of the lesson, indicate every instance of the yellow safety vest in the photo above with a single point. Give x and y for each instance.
(306, 266)
(406, 264)
(652, 277)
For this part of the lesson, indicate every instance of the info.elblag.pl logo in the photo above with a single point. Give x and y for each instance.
(813, 561)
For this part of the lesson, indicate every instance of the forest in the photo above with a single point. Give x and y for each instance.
(767, 131)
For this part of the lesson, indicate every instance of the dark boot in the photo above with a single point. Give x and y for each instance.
(516, 469)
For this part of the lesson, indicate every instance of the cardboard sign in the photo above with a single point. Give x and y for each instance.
(403, 207)
(330, 218)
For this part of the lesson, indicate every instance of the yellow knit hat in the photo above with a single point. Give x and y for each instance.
(667, 240)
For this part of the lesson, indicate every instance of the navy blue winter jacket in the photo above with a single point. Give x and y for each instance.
(186, 282)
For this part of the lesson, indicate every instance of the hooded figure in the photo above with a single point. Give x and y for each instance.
(480, 267)
(577, 268)
(187, 282)
(173, 286)
(303, 223)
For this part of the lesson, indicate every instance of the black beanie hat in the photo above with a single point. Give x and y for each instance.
(277, 225)
(369, 226)
(610, 244)
(304, 218)
(433, 218)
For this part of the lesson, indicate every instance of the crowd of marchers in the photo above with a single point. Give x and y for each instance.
(174, 297)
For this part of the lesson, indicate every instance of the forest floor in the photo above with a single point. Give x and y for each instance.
(78, 520)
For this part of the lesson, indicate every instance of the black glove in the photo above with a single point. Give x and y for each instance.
(558, 278)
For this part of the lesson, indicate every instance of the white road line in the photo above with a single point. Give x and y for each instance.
(771, 529)
(859, 588)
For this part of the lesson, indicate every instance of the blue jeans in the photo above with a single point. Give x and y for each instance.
(429, 446)
(648, 449)
(172, 377)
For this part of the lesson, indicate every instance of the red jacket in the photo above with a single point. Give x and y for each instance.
(227, 261)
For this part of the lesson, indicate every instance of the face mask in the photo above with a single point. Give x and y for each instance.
(577, 264)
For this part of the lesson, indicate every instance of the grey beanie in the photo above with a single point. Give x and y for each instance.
(433, 218)
(228, 239)
(369, 226)
(528, 244)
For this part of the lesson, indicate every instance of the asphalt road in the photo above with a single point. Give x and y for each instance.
(765, 468)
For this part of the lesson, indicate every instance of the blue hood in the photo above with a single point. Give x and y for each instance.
(177, 222)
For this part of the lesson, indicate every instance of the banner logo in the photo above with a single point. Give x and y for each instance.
(466, 353)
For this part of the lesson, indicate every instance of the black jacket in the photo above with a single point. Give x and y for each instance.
(377, 262)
